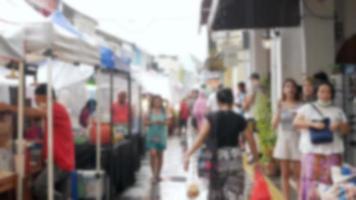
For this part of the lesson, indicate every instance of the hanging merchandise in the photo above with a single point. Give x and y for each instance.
(105, 133)
(107, 58)
(64, 74)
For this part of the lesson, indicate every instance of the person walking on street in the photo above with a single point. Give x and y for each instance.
(121, 112)
(212, 102)
(224, 128)
(320, 155)
(286, 149)
(250, 101)
(192, 98)
(156, 137)
(240, 97)
(183, 116)
(200, 110)
(308, 90)
(249, 108)
(87, 112)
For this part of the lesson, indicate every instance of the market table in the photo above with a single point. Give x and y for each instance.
(119, 162)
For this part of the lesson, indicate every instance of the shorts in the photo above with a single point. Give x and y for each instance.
(155, 146)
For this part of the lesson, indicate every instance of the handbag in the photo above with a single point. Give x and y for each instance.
(321, 136)
(260, 190)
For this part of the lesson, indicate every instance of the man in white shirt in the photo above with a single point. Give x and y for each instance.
(250, 100)
(212, 103)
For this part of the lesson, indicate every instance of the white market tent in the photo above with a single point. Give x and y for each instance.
(25, 36)
(153, 82)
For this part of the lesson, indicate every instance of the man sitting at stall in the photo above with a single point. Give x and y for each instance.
(63, 141)
(63, 144)
(121, 111)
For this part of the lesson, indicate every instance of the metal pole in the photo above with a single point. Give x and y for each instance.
(98, 127)
(129, 89)
(140, 110)
(98, 134)
(111, 100)
(50, 164)
(20, 130)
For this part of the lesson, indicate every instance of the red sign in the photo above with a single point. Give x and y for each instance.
(46, 7)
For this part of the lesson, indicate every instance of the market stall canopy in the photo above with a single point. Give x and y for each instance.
(6, 51)
(29, 35)
(88, 48)
(64, 74)
(11, 28)
(125, 57)
(154, 83)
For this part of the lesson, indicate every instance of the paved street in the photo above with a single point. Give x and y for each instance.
(173, 185)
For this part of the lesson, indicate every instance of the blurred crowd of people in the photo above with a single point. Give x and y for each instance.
(309, 127)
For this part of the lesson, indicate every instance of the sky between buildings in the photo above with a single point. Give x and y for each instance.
(159, 26)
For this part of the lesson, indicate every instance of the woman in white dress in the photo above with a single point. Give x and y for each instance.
(286, 149)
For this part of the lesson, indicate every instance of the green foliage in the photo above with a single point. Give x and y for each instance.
(267, 137)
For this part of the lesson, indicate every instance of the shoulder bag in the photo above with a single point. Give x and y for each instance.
(321, 136)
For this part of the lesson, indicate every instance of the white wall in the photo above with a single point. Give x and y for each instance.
(276, 70)
(259, 56)
(320, 45)
(319, 37)
(293, 65)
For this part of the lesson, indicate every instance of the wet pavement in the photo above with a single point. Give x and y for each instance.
(175, 180)
(174, 183)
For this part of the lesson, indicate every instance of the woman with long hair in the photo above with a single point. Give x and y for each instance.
(224, 128)
(200, 109)
(319, 156)
(308, 90)
(286, 149)
(156, 136)
(240, 97)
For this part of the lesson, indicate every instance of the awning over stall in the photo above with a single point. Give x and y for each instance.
(30, 35)
(154, 83)
(64, 74)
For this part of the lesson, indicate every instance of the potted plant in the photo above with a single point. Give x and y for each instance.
(266, 135)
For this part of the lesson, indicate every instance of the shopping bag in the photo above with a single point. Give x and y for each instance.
(193, 183)
(260, 189)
